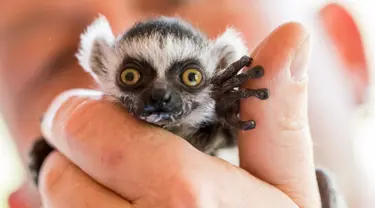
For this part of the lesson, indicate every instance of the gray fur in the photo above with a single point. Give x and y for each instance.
(160, 43)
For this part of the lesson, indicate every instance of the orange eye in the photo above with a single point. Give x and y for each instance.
(130, 76)
(191, 77)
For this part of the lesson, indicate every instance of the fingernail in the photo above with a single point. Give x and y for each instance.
(48, 117)
(298, 67)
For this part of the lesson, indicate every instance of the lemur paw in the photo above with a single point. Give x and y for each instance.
(227, 96)
(39, 152)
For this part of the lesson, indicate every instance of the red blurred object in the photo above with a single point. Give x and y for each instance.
(15, 200)
(346, 36)
(24, 197)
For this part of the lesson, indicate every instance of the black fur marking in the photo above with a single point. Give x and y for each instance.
(161, 42)
(326, 189)
(173, 74)
(230, 136)
(147, 71)
(39, 152)
(164, 26)
(178, 66)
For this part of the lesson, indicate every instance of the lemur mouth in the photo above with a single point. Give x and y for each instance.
(156, 117)
(159, 117)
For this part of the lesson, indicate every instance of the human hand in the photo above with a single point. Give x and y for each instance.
(108, 158)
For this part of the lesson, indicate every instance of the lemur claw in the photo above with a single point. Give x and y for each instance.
(227, 98)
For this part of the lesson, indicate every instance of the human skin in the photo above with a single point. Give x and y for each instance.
(149, 167)
(17, 89)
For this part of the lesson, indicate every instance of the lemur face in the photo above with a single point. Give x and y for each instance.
(159, 69)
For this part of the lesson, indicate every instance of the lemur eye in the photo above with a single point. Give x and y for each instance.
(130, 76)
(192, 77)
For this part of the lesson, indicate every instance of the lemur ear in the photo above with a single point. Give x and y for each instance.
(230, 46)
(96, 48)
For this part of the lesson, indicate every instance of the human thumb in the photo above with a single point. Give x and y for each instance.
(279, 149)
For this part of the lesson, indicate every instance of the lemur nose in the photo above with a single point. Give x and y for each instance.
(161, 96)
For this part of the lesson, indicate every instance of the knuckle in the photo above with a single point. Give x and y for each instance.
(295, 132)
(188, 192)
(292, 123)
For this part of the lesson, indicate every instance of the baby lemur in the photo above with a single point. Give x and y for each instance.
(167, 73)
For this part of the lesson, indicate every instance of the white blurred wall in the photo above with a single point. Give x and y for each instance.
(11, 171)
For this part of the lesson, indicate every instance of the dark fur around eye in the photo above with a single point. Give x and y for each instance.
(174, 72)
(147, 72)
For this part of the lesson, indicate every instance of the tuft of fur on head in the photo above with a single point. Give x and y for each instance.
(161, 43)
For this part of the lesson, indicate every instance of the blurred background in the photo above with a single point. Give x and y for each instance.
(11, 170)
(342, 72)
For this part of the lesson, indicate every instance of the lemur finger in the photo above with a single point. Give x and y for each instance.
(232, 70)
(239, 124)
(255, 72)
(262, 94)
(39, 152)
(232, 119)
(227, 100)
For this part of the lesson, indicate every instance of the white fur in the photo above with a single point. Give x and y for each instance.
(231, 37)
(161, 58)
(99, 29)
(234, 38)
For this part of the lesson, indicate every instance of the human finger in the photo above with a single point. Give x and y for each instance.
(144, 164)
(279, 150)
(64, 185)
